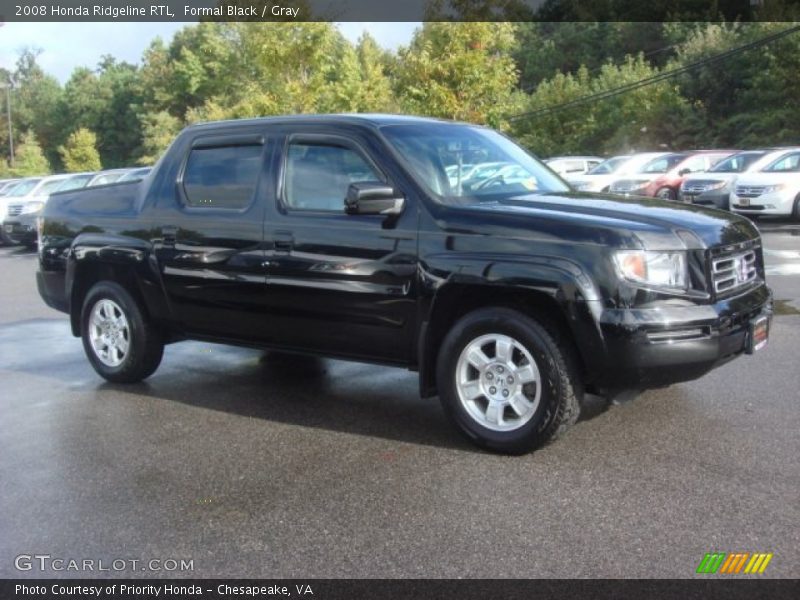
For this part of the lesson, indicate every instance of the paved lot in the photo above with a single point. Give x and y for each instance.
(259, 465)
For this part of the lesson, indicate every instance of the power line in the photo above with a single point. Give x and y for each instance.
(604, 95)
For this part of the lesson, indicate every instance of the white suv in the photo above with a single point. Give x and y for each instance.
(775, 190)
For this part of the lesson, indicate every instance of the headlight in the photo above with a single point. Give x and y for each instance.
(774, 188)
(664, 269)
(32, 207)
(715, 186)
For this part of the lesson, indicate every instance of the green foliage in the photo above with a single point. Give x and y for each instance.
(35, 100)
(158, 131)
(79, 153)
(460, 71)
(638, 120)
(28, 157)
(483, 71)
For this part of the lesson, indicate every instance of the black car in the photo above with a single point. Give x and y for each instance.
(343, 236)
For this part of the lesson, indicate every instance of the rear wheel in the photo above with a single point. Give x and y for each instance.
(119, 341)
(666, 193)
(505, 382)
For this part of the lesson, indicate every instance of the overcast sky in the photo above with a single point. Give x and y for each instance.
(68, 45)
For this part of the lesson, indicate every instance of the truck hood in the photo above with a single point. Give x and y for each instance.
(634, 222)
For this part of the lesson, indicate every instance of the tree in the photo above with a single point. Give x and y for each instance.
(643, 119)
(35, 101)
(459, 71)
(158, 131)
(80, 152)
(28, 157)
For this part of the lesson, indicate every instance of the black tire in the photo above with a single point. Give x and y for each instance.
(796, 209)
(560, 392)
(145, 346)
(666, 193)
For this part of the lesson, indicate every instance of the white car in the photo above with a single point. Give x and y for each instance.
(567, 166)
(603, 175)
(713, 187)
(775, 190)
(30, 195)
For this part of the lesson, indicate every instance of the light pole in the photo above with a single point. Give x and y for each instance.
(7, 86)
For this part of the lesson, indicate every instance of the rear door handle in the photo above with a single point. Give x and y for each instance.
(283, 242)
(169, 234)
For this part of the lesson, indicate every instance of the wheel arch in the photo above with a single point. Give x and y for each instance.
(560, 307)
(94, 259)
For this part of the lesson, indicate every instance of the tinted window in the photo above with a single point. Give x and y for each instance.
(22, 189)
(222, 177)
(73, 183)
(135, 174)
(698, 163)
(609, 166)
(318, 175)
(737, 163)
(786, 164)
(662, 164)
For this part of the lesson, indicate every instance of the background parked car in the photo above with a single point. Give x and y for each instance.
(775, 190)
(134, 174)
(713, 188)
(663, 176)
(600, 178)
(106, 177)
(573, 165)
(19, 224)
(6, 185)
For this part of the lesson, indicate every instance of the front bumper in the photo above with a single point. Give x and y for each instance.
(653, 347)
(713, 199)
(774, 203)
(21, 229)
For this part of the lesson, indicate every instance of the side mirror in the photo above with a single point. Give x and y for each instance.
(683, 172)
(373, 198)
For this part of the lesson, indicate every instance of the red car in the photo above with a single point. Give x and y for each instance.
(662, 176)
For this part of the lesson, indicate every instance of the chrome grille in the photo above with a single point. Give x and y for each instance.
(627, 185)
(696, 187)
(749, 191)
(733, 271)
(15, 210)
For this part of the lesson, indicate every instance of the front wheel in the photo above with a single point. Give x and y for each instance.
(121, 344)
(796, 209)
(505, 382)
(666, 193)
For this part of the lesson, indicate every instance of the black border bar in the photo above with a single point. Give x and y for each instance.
(411, 589)
(403, 10)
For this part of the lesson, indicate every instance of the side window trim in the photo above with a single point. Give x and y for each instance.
(321, 139)
(220, 141)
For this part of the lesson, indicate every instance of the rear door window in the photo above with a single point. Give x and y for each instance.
(222, 176)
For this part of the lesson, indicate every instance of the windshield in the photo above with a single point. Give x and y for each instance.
(609, 166)
(73, 183)
(501, 168)
(135, 174)
(789, 163)
(663, 164)
(737, 163)
(48, 187)
(22, 188)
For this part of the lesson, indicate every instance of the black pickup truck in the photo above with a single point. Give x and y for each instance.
(375, 238)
